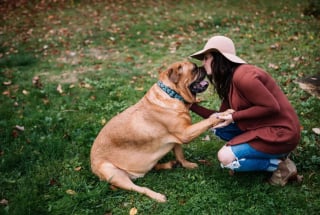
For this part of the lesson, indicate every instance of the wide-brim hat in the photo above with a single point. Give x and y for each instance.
(222, 44)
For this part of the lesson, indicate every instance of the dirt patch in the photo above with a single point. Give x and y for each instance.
(75, 58)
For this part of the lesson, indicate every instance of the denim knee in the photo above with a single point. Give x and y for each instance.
(228, 132)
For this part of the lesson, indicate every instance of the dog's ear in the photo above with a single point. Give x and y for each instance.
(174, 74)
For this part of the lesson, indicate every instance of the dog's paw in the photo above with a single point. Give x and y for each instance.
(156, 196)
(160, 198)
(189, 165)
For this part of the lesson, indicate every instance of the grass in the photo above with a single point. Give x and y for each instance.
(96, 58)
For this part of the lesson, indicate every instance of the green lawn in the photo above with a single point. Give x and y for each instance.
(67, 67)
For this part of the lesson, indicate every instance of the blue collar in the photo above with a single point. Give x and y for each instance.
(170, 92)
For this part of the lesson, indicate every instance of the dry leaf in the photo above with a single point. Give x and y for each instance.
(78, 168)
(6, 93)
(4, 202)
(139, 88)
(275, 46)
(206, 138)
(15, 133)
(36, 82)
(7, 83)
(46, 101)
(316, 130)
(103, 121)
(85, 85)
(133, 211)
(24, 92)
(273, 66)
(71, 192)
(52, 182)
(59, 89)
(20, 128)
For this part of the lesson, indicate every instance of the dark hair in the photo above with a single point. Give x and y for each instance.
(222, 73)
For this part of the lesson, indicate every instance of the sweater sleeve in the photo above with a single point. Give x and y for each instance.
(253, 87)
(201, 111)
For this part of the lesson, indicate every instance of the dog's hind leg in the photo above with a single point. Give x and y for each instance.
(167, 165)
(121, 179)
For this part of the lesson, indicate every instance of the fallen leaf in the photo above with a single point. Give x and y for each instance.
(206, 138)
(15, 133)
(139, 88)
(25, 92)
(85, 85)
(46, 101)
(273, 66)
(103, 121)
(4, 202)
(20, 128)
(133, 211)
(53, 182)
(316, 130)
(7, 83)
(71, 192)
(36, 82)
(6, 93)
(275, 46)
(59, 89)
(78, 168)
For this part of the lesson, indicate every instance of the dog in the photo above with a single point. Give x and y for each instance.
(133, 142)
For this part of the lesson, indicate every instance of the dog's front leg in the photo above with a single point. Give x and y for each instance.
(178, 151)
(180, 160)
(194, 130)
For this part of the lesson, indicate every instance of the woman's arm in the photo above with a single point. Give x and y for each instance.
(201, 111)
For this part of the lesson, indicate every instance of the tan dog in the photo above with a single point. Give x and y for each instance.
(132, 142)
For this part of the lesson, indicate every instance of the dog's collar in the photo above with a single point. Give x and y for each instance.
(170, 92)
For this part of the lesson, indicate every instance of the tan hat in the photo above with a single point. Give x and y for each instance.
(222, 44)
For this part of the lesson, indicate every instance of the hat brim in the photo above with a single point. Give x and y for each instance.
(200, 55)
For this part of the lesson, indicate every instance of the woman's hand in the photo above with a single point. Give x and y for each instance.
(226, 116)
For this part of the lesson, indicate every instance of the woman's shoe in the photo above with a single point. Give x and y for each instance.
(286, 170)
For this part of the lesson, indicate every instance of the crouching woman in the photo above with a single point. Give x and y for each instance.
(264, 128)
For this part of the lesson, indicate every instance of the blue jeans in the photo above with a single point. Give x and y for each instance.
(247, 158)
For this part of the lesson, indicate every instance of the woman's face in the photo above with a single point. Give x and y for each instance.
(206, 62)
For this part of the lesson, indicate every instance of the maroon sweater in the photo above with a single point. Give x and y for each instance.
(263, 112)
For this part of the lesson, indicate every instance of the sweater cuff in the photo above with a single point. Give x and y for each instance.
(201, 111)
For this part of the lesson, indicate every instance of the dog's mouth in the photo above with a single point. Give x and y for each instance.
(199, 85)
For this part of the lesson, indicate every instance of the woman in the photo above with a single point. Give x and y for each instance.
(264, 128)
